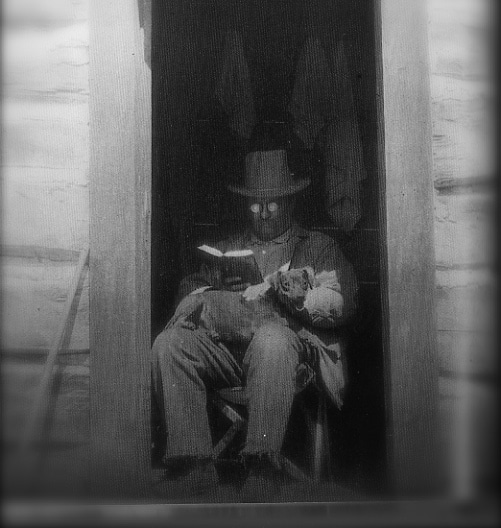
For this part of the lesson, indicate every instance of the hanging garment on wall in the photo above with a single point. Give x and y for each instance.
(233, 88)
(323, 111)
(311, 105)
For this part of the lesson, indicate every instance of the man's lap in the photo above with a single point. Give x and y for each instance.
(216, 360)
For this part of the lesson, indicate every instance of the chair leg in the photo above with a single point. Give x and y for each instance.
(293, 470)
(327, 441)
(238, 424)
(320, 440)
(316, 424)
(227, 438)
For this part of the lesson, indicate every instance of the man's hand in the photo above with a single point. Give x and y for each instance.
(234, 284)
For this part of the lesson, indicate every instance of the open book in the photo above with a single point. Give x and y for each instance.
(235, 263)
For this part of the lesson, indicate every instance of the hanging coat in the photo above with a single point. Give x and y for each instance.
(233, 88)
(323, 113)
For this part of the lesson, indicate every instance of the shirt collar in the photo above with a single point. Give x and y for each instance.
(295, 231)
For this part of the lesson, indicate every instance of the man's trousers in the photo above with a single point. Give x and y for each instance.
(188, 363)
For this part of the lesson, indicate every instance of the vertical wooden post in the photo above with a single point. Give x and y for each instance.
(409, 281)
(120, 178)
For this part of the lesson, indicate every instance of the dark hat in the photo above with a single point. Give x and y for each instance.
(267, 175)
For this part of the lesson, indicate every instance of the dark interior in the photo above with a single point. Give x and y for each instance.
(196, 154)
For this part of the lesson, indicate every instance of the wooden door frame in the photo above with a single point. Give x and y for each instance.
(408, 252)
(119, 266)
(120, 259)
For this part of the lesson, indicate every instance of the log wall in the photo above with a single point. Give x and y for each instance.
(45, 214)
(461, 36)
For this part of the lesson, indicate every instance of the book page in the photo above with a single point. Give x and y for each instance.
(239, 253)
(210, 250)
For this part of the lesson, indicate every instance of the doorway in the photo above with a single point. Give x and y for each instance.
(196, 153)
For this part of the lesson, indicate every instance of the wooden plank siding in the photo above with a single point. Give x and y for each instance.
(462, 97)
(69, 397)
(45, 173)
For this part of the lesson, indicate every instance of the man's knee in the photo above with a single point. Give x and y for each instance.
(277, 340)
(172, 345)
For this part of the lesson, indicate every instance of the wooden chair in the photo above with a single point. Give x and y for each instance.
(232, 403)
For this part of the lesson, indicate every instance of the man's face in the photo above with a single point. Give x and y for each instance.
(270, 217)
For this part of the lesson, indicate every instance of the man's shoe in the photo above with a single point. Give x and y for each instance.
(265, 479)
(192, 479)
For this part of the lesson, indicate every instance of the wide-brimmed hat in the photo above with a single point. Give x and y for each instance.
(267, 175)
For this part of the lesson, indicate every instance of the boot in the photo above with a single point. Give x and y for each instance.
(264, 480)
(189, 478)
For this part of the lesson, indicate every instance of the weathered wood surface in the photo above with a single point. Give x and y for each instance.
(63, 451)
(62, 475)
(45, 172)
(39, 253)
(69, 397)
(41, 403)
(45, 161)
(45, 207)
(461, 37)
(33, 295)
(405, 129)
(466, 308)
(45, 118)
(465, 230)
(46, 55)
(120, 256)
(462, 92)
(46, 134)
(462, 133)
(44, 14)
(468, 436)
(468, 354)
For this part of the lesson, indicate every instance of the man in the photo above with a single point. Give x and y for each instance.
(187, 362)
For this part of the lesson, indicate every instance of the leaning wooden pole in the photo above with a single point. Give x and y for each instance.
(41, 402)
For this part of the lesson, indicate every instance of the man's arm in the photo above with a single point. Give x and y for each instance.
(332, 258)
(207, 277)
(330, 306)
